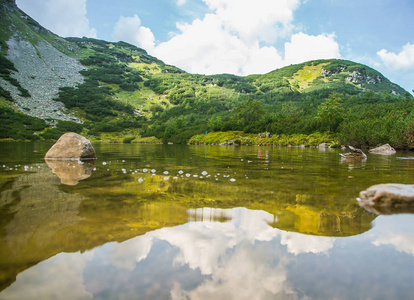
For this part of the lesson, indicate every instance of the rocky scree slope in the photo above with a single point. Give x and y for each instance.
(41, 68)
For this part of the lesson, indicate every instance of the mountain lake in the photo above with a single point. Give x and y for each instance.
(201, 222)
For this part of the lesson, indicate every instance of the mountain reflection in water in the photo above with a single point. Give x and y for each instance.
(167, 221)
(241, 258)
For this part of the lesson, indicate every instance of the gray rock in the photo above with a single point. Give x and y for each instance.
(384, 149)
(388, 198)
(323, 146)
(71, 146)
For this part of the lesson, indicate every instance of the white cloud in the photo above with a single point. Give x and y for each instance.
(181, 2)
(228, 39)
(205, 47)
(63, 17)
(129, 29)
(398, 61)
(263, 20)
(303, 47)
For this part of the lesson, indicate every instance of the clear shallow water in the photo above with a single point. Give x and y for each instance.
(200, 222)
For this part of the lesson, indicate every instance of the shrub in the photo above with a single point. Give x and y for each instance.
(128, 139)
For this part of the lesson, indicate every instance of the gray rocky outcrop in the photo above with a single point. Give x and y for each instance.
(388, 198)
(384, 149)
(71, 146)
(337, 70)
(42, 70)
(358, 77)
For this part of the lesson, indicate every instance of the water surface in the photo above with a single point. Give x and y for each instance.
(200, 222)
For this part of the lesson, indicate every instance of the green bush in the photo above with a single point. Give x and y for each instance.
(94, 99)
(128, 139)
(19, 126)
(68, 126)
(52, 134)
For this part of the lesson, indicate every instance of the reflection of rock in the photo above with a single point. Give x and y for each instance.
(384, 149)
(388, 198)
(71, 146)
(71, 172)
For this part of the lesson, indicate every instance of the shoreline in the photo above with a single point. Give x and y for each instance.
(230, 138)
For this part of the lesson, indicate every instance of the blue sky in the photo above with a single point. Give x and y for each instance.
(243, 36)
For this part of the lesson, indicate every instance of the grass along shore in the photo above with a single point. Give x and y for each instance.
(218, 138)
(241, 138)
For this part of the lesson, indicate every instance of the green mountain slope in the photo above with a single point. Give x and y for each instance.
(50, 85)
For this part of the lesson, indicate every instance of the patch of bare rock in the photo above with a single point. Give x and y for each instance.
(42, 70)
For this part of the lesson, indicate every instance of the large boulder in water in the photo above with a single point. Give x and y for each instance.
(388, 198)
(384, 149)
(71, 146)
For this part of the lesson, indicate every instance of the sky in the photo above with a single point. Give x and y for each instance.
(245, 37)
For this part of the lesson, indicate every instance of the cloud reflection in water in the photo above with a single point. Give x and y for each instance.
(240, 257)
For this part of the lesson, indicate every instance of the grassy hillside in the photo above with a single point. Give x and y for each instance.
(126, 94)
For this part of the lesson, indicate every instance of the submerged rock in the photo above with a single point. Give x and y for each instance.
(384, 149)
(388, 198)
(71, 146)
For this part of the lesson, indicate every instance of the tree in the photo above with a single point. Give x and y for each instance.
(331, 111)
(215, 123)
(248, 114)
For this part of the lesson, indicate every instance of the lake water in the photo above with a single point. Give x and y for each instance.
(200, 222)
